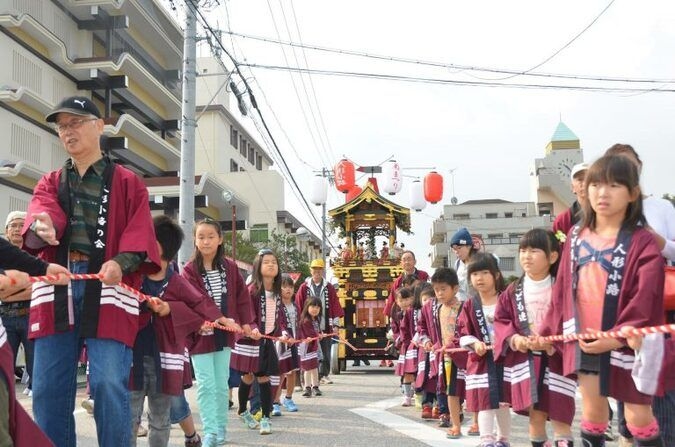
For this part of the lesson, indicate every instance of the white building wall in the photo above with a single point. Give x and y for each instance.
(211, 77)
(501, 235)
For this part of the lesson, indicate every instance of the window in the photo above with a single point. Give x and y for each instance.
(259, 233)
(495, 235)
(234, 136)
(251, 155)
(242, 146)
(234, 167)
(508, 215)
(460, 216)
(258, 163)
(507, 264)
(545, 209)
(490, 215)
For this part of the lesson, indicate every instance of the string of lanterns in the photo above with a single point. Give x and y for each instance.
(344, 174)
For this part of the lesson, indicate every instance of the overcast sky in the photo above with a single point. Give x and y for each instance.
(489, 134)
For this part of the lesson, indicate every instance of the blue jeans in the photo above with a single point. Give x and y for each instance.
(180, 409)
(159, 406)
(17, 333)
(55, 381)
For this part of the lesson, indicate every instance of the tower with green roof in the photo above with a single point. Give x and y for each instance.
(550, 186)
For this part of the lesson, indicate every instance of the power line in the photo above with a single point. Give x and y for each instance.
(427, 80)
(254, 104)
(295, 88)
(437, 64)
(561, 48)
(331, 154)
(267, 101)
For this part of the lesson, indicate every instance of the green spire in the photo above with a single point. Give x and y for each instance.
(563, 133)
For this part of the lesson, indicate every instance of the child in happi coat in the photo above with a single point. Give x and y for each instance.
(612, 276)
(256, 357)
(426, 380)
(537, 387)
(159, 361)
(220, 282)
(289, 360)
(484, 376)
(308, 327)
(405, 366)
(451, 386)
(412, 355)
(17, 428)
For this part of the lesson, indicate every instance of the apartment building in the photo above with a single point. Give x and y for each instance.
(498, 224)
(225, 148)
(126, 56)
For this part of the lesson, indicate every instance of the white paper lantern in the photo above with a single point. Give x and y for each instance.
(393, 179)
(417, 201)
(319, 190)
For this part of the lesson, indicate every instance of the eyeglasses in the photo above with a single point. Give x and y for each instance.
(265, 251)
(74, 124)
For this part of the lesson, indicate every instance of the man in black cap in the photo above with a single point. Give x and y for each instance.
(93, 216)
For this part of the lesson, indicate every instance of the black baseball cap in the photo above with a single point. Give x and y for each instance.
(77, 105)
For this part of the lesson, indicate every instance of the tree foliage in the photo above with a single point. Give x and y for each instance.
(670, 198)
(283, 245)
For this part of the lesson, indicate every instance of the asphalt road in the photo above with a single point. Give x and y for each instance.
(360, 409)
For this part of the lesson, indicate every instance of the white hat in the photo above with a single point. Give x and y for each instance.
(578, 168)
(13, 216)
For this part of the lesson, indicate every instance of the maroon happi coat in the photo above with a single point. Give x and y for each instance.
(246, 355)
(334, 311)
(23, 430)
(534, 379)
(237, 306)
(428, 329)
(639, 304)
(409, 352)
(189, 311)
(485, 387)
(129, 229)
(309, 352)
(421, 275)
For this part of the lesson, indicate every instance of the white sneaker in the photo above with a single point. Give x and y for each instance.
(626, 442)
(407, 401)
(141, 432)
(88, 404)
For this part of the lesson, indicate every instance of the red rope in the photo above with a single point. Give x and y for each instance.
(143, 297)
(663, 329)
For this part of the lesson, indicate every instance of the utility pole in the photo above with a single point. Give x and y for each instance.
(186, 206)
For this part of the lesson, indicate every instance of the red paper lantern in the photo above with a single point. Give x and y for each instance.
(353, 193)
(344, 175)
(433, 187)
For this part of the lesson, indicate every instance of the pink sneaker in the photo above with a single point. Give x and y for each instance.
(407, 401)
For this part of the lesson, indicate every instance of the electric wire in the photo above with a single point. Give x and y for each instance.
(442, 81)
(295, 87)
(557, 52)
(331, 154)
(205, 24)
(264, 96)
(458, 67)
